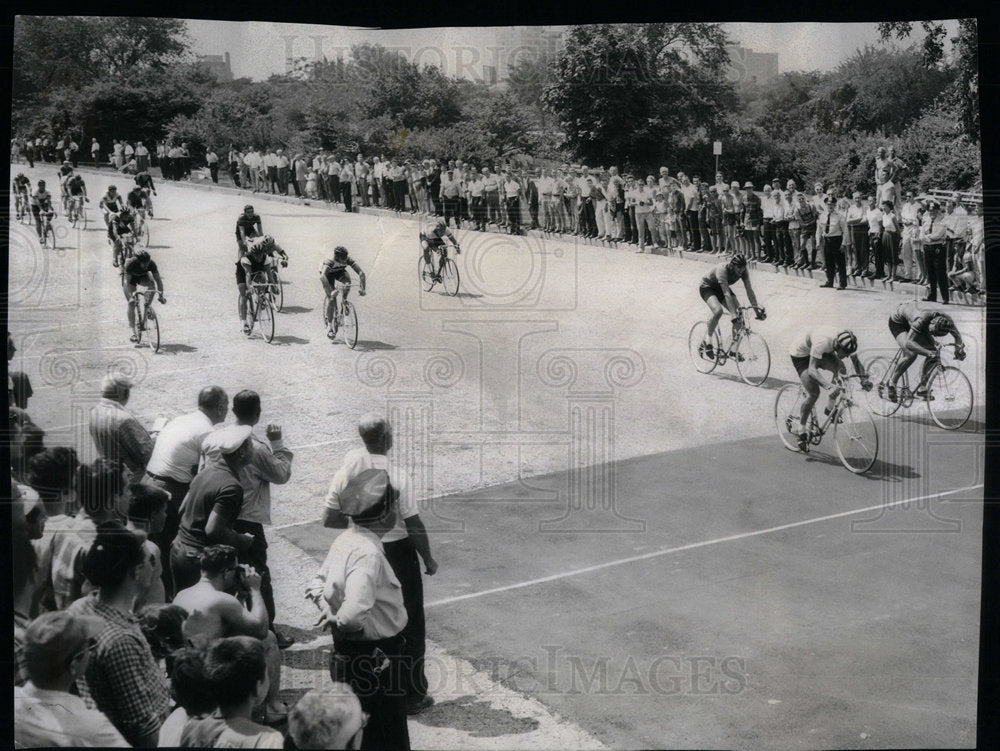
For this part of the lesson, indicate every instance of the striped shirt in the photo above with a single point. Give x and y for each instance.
(119, 437)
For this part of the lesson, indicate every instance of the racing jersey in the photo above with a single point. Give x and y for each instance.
(257, 252)
(64, 172)
(75, 185)
(122, 225)
(135, 197)
(22, 183)
(437, 234)
(815, 342)
(251, 226)
(137, 269)
(919, 320)
(332, 267)
(42, 199)
(144, 180)
(112, 203)
(722, 273)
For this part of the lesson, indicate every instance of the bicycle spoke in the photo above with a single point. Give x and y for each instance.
(753, 358)
(696, 338)
(856, 438)
(787, 408)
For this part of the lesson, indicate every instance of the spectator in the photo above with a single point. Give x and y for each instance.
(512, 196)
(212, 160)
(644, 219)
(212, 504)
(532, 199)
(911, 255)
(401, 544)
(22, 390)
(710, 218)
(270, 462)
(235, 160)
(95, 153)
(491, 193)
(691, 205)
(185, 166)
(347, 186)
(299, 169)
(146, 513)
(330, 719)
(873, 218)
(175, 458)
(236, 670)
(127, 151)
(451, 189)
(117, 154)
(163, 627)
(117, 434)
(476, 188)
(24, 562)
(141, 158)
(368, 617)
(251, 170)
(284, 171)
(122, 679)
(52, 474)
(857, 225)
(933, 235)
(832, 231)
(190, 692)
(57, 649)
(889, 240)
(214, 612)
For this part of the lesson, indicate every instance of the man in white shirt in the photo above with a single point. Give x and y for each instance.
(911, 257)
(174, 462)
(401, 545)
(644, 212)
(857, 224)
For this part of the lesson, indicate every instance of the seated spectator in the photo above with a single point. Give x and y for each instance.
(147, 514)
(57, 648)
(26, 441)
(122, 679)
(163, 627)
(236, 670)
(190, 692)
(215, 613)
(329, 719)
(53, 475)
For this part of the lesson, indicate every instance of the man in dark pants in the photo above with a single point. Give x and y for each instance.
(933, 237)
(833, 233)
(434, 187)
(531, 194)
(366, 620)
(401, 545)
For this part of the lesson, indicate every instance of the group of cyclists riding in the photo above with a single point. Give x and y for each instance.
(821, 350)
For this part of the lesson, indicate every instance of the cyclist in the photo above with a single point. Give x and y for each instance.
(77, 189)
(914, 330)
(248, 225)
(41, 202)
(144, 180)
(822, 348)
(258, 256)
(140, 269)
(716, 291)
(122, 227)
(65, 172)
(435, 239)
(111, 204)
(333, 274)
(22, 190)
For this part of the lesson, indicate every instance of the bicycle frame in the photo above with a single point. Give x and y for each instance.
(817, 431)
(906, 396)
(738, 335)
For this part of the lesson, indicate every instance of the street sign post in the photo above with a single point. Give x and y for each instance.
(717, 150)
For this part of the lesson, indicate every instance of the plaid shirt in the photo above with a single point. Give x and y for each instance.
(68, 551)
(123, 679)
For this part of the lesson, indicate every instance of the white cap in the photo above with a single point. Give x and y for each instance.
(226, 440)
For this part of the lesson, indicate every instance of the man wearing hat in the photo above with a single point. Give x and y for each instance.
(933, 236)
(832, 232)
(361, 601)
(212, 504)
(57, 649)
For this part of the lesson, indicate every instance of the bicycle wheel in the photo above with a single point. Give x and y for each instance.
(753, 359)
(449, 277)
(787, 409)
(278, 292)
(349, 326)
(153, 329)
(855, 436)
(426, 273)
(878, 371)
(949, 397)
(695, 341)
(83, 217)
(144, 235)
(137, 325)
(50, 238)
(265, 318)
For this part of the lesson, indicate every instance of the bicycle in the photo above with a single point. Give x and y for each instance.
(146, 320)
(21, 207)
(260, 306)
(448, 277)
(277, 289)
(127, 248)
(945, 388)
(855, 434)
(345, 318)
(142, 226)
(747, 348)
(77, 214)
(48, 234)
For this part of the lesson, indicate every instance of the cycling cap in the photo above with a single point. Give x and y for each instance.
(847, 342)
(41, 183)
(940, 324)
(126, 211)
(738, 260)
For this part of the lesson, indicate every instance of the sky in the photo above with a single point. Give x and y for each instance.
(258, 50)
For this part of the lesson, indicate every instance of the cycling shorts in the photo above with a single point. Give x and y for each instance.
(333, 278)
(896, 328)
(708, 290)
(801, 364)
(241, 270)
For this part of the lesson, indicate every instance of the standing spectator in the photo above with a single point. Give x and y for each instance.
(434, 187)
(451, 189)
(661, 214)
(532, 198)
(300, 172)
(312, 184)
(890, 239)
(767, 227)
(74, 152)
(118, 154)
(215, 612)
(29, 152)
(730, 212)
(544, 185)
(331, 718)
(117, 434)
(911, 256)
(858, 227)
(397, 174)
(122, 678)
(377, 175)
(52, 475)
(127, 151)
(476, 188)
(347, 185)
(559, 189)
(933, 238)
(24, 566)
(176, 157)
(234, 160)
(512, 193)
(270, 462)
(283, 166)
(388, 185)
(141, 158)
(632, 187)
(57, 649)
(955, 220)
(163, 157)
(616, 200)
(491, 192)
(873, 218)
(22, 390)
(213, 504)
(362, 173)
(174, 461)
(212, 160)
(753, 218)
(367, 618)
(146, 513)
(782, 239)
(832, 231)
(644, 219)
(271, 171)
(333, 175)
(691, 205)
(236, 669)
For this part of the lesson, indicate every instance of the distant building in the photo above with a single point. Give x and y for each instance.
(514, 43)
(217, 65)
(747, 66)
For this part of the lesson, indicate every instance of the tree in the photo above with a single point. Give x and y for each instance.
(626, 92)
(527, 81)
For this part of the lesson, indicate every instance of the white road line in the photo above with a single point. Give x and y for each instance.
(690, 546)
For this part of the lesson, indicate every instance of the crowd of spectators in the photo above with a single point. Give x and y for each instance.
(143, 607)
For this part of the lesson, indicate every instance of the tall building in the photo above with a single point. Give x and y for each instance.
(747, 66)
(217, 65)
(514, 43)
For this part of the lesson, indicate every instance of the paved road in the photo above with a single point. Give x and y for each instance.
(553, 424)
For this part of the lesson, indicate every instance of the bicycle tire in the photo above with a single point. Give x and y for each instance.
(855, 436)
(137, 325)
(145, 233)
(878, 371)
(83, 218)
(50, 238)
(349, 326)
(278, 292)
(154, 329)
(787, 408)
(449, 277)
(950, 398)
(695, 338)
(265, 319)
(753, 358)
(425, 271)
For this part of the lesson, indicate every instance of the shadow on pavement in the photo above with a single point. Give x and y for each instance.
(476, 717)
(881, 470)
(372, 345)
(175, 348)
(296, 309)
(770, 384)
(289, 339)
